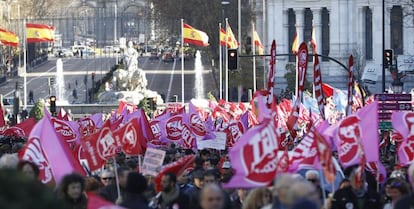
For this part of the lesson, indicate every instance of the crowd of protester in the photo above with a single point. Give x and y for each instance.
(198, 187)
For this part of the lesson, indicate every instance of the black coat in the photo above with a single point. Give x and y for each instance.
(406, 202)
(110, 192)
(345, 198)
(134, 201)
(182, 201)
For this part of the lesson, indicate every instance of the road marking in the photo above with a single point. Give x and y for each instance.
(85, 72)
(171, 80)
(156, 71)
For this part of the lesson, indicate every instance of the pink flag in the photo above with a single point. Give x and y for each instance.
(254, 157)
(356, 136)
(2, 121)
(403, 122)
(56, 151)
(67, 130)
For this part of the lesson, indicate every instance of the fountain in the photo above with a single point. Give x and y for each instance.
(199, 84)
(60, 83)
(129, 84)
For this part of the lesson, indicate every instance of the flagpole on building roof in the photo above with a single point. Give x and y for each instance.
(182, 61)
(254, 59)
(220, 64)
(24, 65)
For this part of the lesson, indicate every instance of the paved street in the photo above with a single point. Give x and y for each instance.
(163, 77)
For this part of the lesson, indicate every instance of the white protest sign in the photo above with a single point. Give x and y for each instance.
(218, 143)
(153, 160)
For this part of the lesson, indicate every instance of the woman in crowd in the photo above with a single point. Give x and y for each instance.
(71, 191)
(258, 198)
(28, 168)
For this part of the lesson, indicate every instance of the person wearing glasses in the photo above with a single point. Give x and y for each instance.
(107, 177)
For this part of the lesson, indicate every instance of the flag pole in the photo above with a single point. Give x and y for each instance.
(24, 66)
(220, 63)
(227, 63)
(254, 59)
(182, 61)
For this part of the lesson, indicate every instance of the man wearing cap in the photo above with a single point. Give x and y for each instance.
(226, 172)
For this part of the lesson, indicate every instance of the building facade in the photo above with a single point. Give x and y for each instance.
(342, 28)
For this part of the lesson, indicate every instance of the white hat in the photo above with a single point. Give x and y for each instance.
(226, 164)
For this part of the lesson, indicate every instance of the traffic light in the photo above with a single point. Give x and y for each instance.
(50, 81)
(93, 76)
(232, 58)
(388, 54)
(152, 103)
(52, 104)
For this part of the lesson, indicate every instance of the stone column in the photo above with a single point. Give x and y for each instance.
(299, 23)
(317, 25)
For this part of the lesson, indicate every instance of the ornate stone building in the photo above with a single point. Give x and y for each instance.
(342, 27)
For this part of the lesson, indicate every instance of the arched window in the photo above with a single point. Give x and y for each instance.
(291, 32)
(368, 33)
(396, 30)
(325, 33)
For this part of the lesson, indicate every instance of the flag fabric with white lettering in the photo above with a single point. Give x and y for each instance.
(356, 137)
(254, 157)
(403, 122)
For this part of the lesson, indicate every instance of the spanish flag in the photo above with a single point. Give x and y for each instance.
(222, 37)
(39, 33)
(8, 38)
(295, 43)
(231, 40)
(194, 36)
(257, 42)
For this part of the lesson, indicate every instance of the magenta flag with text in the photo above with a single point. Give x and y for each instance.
(56, 151)
(254, 157)
(357, 135)
(403, 122)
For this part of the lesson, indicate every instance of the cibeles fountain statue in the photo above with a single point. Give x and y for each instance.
(129, 84)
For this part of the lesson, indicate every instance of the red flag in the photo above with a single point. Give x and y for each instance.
(96, 202)
(63, 115)
(130, 138)
(22, 129)
(57, 153)
(124, 104)
(67, 130)
(283, 163)
(292, 122)
(302, 66)
(99, 147)
(2, 121)
(176, 167)
(328, 90)
(317, 83)
(350, 86)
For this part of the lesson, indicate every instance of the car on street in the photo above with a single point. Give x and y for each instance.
(63, 52)
(154, 55)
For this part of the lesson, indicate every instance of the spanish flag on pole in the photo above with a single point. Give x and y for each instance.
(257, 42)
(222, 37)
(295, 43)
(39, 33)
(194, 36)
(8, 38)
(231, 40)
